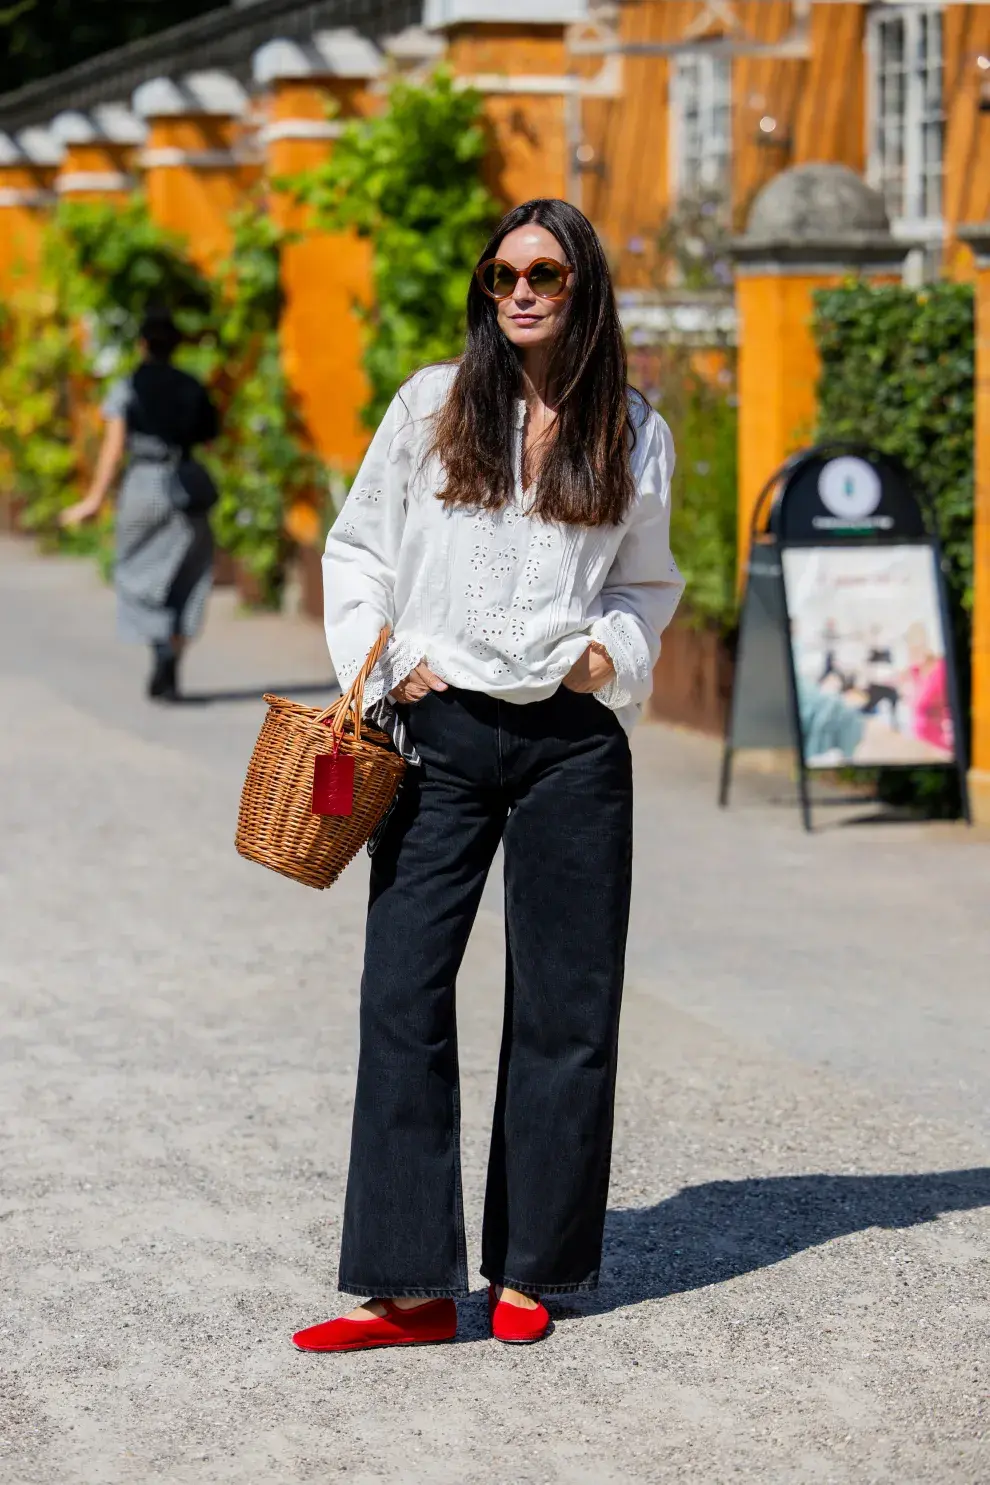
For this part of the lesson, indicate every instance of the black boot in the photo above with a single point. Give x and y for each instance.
(163, 685)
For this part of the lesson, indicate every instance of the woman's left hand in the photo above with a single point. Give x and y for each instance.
(593, 671)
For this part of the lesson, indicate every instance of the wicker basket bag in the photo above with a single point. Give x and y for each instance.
(276, 826)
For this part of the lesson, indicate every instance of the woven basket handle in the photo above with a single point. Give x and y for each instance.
(353, 698)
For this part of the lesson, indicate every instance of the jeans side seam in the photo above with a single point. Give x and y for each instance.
(462, 1273)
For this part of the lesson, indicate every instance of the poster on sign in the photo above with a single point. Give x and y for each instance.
(843, 650)
(869, 655)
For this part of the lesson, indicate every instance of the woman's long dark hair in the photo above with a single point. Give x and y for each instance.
(584, 477)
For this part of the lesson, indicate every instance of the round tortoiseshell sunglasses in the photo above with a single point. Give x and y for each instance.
(546, 277)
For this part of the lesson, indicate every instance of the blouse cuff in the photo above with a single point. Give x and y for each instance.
(611, 633)
(400, 658)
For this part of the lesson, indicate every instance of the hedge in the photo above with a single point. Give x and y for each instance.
(898, 373)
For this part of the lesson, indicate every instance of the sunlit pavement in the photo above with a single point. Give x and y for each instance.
(795, 1284)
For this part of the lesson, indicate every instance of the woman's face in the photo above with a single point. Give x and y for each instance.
(523, 318)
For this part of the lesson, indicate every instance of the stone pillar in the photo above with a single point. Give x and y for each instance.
(313, 90)
(978, 238)
(515, 53)
(194, 177)
(99, 149)
(809, 229)
(27, 171)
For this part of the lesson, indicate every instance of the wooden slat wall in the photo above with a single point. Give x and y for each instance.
(831, 117)
(762, 86)
(818, 105)
(966, 31)
(528, 151)
(629, 199)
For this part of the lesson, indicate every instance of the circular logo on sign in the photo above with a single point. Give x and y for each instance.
(849, 488)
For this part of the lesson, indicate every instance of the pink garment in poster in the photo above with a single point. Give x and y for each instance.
(932, 719)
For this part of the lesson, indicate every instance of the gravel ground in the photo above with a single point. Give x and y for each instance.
(795, 1286)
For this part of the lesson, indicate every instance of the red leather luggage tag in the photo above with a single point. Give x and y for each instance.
(333, 784)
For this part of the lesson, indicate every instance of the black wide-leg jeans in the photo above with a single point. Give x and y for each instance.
(553, 782)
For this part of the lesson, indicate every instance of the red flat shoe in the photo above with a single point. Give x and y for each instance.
(513, 1325)
(423, 1326)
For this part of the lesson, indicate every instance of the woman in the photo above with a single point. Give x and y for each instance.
(510, 522)
(164, 554)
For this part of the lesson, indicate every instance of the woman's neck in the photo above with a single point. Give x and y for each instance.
(535, 376)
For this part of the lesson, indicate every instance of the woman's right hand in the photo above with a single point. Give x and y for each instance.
(417, 684)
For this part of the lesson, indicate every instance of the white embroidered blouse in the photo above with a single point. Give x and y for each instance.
(503, 602)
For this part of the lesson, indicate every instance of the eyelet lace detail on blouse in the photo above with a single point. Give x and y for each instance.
(495, 601)
(617, 634)
(400, 658)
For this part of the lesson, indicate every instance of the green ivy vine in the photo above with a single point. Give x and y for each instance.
(410, 180)
(65, 342)
(260, 460)
(898, 372)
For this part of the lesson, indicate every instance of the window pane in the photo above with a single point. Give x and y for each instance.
(908, 126)
(702, 93)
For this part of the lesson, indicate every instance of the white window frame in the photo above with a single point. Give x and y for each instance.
(915, 216)
(709, 167)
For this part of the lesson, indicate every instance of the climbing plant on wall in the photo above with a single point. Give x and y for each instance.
(260, 460)
(410, 180)
(68, 338)
(66, 341)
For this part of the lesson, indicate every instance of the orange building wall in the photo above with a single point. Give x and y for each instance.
(21, 227)
(195, 201)
(966, 31)
(778, 377)
(980, 778)
(325, 276)
(528, 155)
(100, 158)
(830, 115)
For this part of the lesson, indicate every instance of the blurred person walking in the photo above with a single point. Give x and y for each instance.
(164, 545)
(511, 523)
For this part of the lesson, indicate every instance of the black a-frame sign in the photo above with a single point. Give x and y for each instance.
(845, 650)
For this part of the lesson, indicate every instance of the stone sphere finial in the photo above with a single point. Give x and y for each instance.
(815, 202)
(823, 213)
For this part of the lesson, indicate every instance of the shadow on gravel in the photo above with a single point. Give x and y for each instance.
(707, 1234)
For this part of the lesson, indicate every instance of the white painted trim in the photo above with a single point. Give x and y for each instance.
(341, 53)
(918, 230)
(216, 94)
(706, 324)
(10, 151)
(542, 84)
(439, 14)
(414, 45)
(109, 123)
(771, 267)
(169, 157)
(11, 197)
(302, 129)
(118, 123)
(606, 84)
(93, 180)
(39, 145)
(73, 127)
